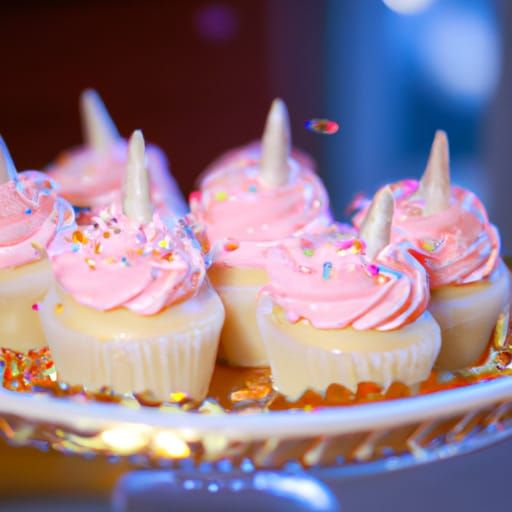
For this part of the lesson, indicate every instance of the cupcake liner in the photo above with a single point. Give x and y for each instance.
(298, 366)
(181, 361)
(241, 343)
(20, 293)
(467, 315)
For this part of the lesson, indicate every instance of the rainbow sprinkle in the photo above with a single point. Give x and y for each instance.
(428, 245)
(323, 126)
(58, 308)
(327, 268)
(308, 252)
(35, 307)
(373, 270)
(221, 195)
(28, 211)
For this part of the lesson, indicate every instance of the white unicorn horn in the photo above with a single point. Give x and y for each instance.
(137, 204)
(7, 168)
(435, 182)
(376, 226)
(275, 145)
(99, 130)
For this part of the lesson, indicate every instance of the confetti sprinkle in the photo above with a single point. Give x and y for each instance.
(106, 234)
(98, 248)
(75, 247)
(221, 195)
(58, 308)
(373, 270)
(78, 237)
(28, 211)
(323, 126)
(231, 246)
(308, 252)
(327, 268)
(91, 263)
(35, 307)
(357, 247)
(125, 262)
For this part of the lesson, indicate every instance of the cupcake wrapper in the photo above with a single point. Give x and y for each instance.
(297, 367)
(241, 343)
(20, 327)
(467, 320)
(176, 362)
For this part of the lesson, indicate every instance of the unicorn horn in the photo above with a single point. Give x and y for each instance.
(7, 168)
(137, 204)
(275, 145)
(376, 226)
(435, 182)
(99, 130)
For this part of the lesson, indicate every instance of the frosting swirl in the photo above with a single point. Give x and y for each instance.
(92, 179)
(31, 215)
(332, 284)
(246, 217)
(116, 262)
(456, 246)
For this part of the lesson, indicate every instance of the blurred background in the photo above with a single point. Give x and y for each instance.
(198, 78)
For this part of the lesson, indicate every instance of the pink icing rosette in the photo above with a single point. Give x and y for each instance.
(244, 217)
(93, 179)
(31, 217)
(119, 263)
(457, 245)
(330, 282)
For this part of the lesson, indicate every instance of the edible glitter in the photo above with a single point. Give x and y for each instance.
(35, 307)
(28, 211)
(221, 195)
(91, 263)
(323, 126)
(327, 268)
(308, 252)
(58, 308)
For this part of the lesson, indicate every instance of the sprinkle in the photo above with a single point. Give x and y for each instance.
(125, 262)
(37, 247)
(106, 234)
(308, 252)
(221, 195)
(58, 308)
(168, 257)
(323, 126)
(78, 237)
(252, 188)
(195, 197)
(35, 307)
(75, 247)
(98, 248)
(304, 269)
(357, 247)
(373, 270)
(327, 268)
(28, 211)
(91, 263)
(164, 243)
(429, 245)
(231, 246)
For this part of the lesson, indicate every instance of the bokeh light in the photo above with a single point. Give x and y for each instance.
(408, 6)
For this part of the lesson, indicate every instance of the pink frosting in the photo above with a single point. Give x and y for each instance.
(331, 283)
(116, 263)
(238, 208)
(31, 216)
(456, 246)
(91, 179)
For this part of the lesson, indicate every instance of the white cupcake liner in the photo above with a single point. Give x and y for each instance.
(181, 361)
(241, 343)
(468, 318)
(297, 366)
(20, 327)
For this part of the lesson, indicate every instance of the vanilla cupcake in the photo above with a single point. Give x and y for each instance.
(131, 307)
(90, 176)
(459, 248)
(31, 220)
(247, 206)
(339, 310)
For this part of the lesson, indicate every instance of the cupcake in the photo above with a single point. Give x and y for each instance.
(248, 206)
(90, 176)
(31, 220)
(347, 310)
(459, 248)
(131, 307)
